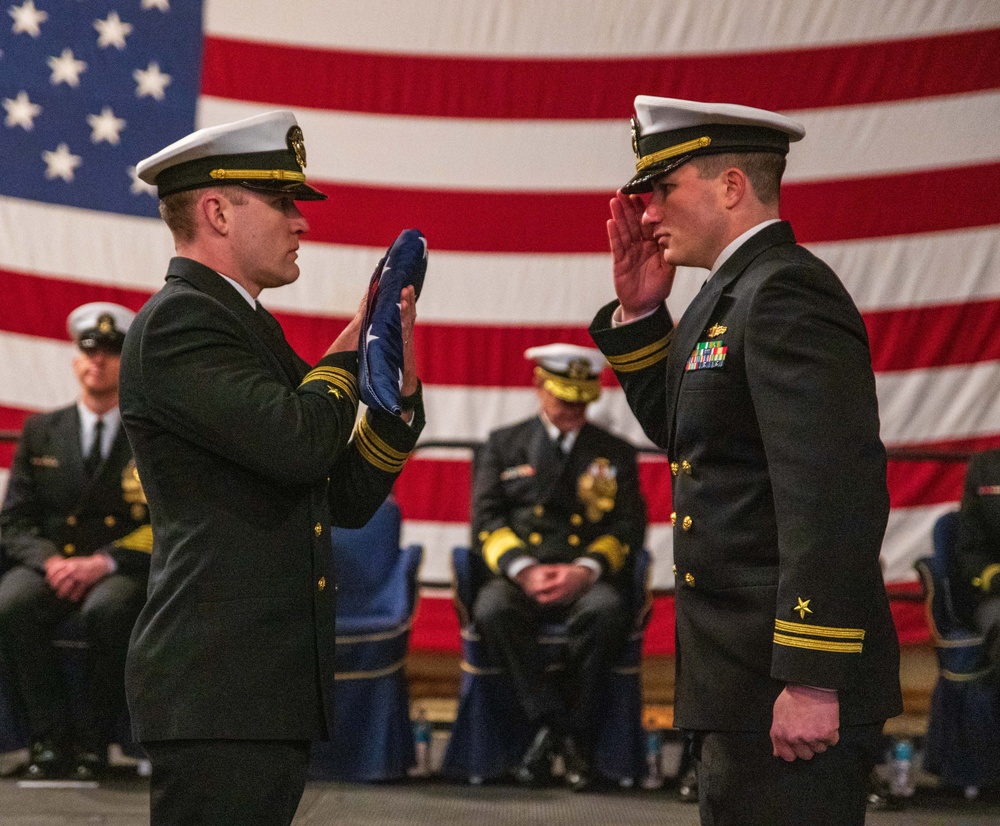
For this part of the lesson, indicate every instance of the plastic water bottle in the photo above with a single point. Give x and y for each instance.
(422, 741)
(901, 783)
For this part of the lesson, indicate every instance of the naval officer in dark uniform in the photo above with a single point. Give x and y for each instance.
(556, 515)
(764, 397)
(75, 526)
(247, 455)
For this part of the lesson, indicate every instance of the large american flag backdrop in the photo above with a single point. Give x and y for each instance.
(500, 129)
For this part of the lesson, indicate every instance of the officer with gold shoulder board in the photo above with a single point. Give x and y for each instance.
(76, 528)
(556, 516)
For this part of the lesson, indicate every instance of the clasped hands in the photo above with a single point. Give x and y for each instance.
(72, 577)
(555, 583)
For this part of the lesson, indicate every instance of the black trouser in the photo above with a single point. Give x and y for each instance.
(29, 614)
(741, 783)
(597, 626)
(216, 782)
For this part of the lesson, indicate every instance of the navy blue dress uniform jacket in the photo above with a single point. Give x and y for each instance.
(975, 568)
(53, 508)
(245, 458)
(526, 502)
(764, 398)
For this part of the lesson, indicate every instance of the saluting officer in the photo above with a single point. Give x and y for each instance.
(75, 525)
(556, 515)
(764, 398)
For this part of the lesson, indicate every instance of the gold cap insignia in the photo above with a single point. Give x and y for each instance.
(297, 143)
(106, 324)
(716, 330)
(579, 369)
(634, 125)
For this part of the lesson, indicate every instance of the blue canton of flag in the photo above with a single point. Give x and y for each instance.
(88, 89)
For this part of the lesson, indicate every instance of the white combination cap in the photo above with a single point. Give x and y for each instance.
(265, 152)
(568, 371)
(668, 132)
(99, 325)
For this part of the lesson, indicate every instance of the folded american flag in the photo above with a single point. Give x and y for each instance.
(380, 348)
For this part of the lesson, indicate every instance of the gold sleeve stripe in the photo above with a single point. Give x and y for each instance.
(141, 539)
(337, 376)
(985, 579)
(819, 630)
(375, 451)
(497, 544)
(818, 645)
(384, 446)
(641, 358)
(611, 549)
(330, 373)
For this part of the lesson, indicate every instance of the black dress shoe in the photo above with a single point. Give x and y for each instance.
(577, 771)
(89, 766)
(45, 761)
(535, 768)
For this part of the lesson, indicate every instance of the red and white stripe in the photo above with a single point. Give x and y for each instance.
(500, 130)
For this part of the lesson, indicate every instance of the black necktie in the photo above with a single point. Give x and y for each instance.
(93, 460)
(560, 454)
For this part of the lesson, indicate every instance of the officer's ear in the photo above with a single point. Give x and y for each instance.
(214, 210)
(736, 186)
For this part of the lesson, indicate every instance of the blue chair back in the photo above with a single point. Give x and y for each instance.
(962, 746)
(376, 597)
(959, 648)
(371, 581)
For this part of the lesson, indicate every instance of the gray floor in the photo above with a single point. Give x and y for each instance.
(123, 801)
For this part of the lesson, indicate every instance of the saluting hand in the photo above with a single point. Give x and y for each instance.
(642, 279)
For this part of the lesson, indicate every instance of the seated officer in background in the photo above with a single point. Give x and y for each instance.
(556, 514)
(75, 529)
(975, 573)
